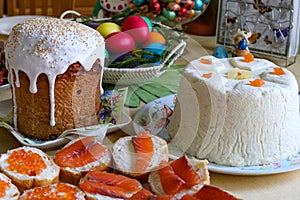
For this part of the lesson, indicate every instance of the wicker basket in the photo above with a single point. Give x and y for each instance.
(142, 73)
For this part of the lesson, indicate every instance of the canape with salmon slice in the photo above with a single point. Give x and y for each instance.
(99, 185)
(179, 177)
(136, 156)
(209, 192)
(58, 191)
(7, 189)
(29, 167)
(81, 155)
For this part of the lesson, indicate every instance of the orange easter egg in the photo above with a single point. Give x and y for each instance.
(154, 37)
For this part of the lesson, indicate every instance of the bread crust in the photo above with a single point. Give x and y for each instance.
(73, 177)
(77, 102)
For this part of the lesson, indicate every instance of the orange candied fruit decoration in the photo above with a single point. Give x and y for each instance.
(205, 61)
(62, 191)
(207, 75)
(278, 71)
(3, 187)
(249, 57)
(26, 162)
(257, 83)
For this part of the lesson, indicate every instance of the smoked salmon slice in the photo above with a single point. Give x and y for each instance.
(185, 171)
(209, 192)
(165, 197)
(143, 194)
(109, 184)
(170, 181)
(144, 148)
(80, 153)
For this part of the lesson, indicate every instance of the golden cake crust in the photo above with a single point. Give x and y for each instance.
(74, 103)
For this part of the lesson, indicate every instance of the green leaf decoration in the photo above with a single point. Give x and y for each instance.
(164, 85)
(144, 95)
(132, 99)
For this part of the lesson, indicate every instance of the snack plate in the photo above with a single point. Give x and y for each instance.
(4, 87)
(98, 131)
(153, 117)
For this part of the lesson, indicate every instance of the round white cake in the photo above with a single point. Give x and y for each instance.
(237, 113)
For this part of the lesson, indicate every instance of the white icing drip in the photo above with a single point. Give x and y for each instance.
(50, 46)
(52, 101)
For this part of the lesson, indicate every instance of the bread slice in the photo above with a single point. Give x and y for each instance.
(7, 189)
(199, 166)
(59, 190)
(124, 156)
(72, 175)
(29, 167)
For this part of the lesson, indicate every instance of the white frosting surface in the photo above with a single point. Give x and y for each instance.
(239, 124)
(49, 45)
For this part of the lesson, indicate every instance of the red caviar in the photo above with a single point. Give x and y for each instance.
(3, 187)
(207, 75)
(205, 61)
(257, 83)
(249, 57)
(61, 191)
(26, 162)
(278, 71)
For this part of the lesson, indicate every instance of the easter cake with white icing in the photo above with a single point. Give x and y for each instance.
(55, 67)
(237, 113)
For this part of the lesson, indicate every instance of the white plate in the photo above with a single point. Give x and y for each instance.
(151, 113)
(7, 23)
(55, 144)
(4, 87)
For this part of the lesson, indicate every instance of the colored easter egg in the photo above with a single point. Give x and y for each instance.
(220, 52)
(137, 27)
(154, 37)
(198, 4)
(138, 2)
(106, 54)
(149, 23)
(169, 14)
(92, 25)
(155, 47)
(107, 28)
(119, 42)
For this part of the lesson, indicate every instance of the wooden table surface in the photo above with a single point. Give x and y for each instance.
(277, 186)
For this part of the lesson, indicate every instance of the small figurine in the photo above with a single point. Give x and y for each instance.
(220, 52)
(241, 43)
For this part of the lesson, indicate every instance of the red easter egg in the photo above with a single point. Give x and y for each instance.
(137, 27)
(119, 42)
